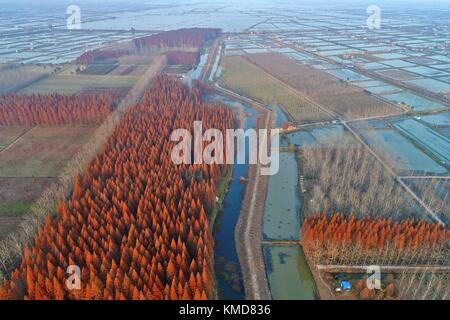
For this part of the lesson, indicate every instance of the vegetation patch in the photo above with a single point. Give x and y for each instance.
(247, 79)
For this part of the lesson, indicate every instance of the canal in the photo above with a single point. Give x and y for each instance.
(227, 267)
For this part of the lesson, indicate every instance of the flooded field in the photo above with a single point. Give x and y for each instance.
(431, 140)
(315, 136)
(418, 103)
(405, 156)
(441, 119)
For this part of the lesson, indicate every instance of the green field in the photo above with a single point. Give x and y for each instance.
(15, 208)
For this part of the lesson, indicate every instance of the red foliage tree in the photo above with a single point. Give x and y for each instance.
(337, 230)
(135, 223)
(54, 109)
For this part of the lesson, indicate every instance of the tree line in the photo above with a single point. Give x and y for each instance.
(187, 37)
(337, 239)
(54, 109)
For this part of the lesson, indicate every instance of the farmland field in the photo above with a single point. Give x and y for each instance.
(9, 134)
(72, 84)
(15, 78)
(16, 197)
(347, 100)
(248, 79)
(42, 151)
(30, 161)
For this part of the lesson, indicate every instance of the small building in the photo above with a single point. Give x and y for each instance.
(286, 126)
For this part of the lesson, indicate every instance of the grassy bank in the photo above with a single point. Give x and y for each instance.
(222, 191)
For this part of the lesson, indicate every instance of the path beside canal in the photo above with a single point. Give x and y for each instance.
(249, 227)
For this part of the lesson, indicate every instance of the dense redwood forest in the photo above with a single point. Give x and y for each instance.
(351, 238)
(100, 54)
(190, 37)
(181, 57)
(136, 224)
(54, 109)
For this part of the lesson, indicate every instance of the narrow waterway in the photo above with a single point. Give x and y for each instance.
(287, 271)
(227, 267)
(195, 73)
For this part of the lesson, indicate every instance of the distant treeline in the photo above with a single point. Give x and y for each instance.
(192, 37)
(54, 109)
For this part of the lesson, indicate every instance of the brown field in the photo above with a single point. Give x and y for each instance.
(43, 151)
(30, 161)
(16, 197)
(9, 134)
(15, 78)
(137, 60)
(14, 190)
(346, 100)
(117, 92)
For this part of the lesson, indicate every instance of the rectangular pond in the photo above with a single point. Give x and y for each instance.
(428, 138)
(431, 85)
(346, 74)
(440, 119)
(282, 207)
(406, 156)
(418, 103)
(288, 273)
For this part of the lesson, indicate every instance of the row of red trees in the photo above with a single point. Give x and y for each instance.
(54, 109)
(182, 57)
(135, 223)
(190, 37)
(339, 231)
(96, 55)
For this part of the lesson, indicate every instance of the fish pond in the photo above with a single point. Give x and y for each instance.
(434, 142)
(406, 156)
(288, 273)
